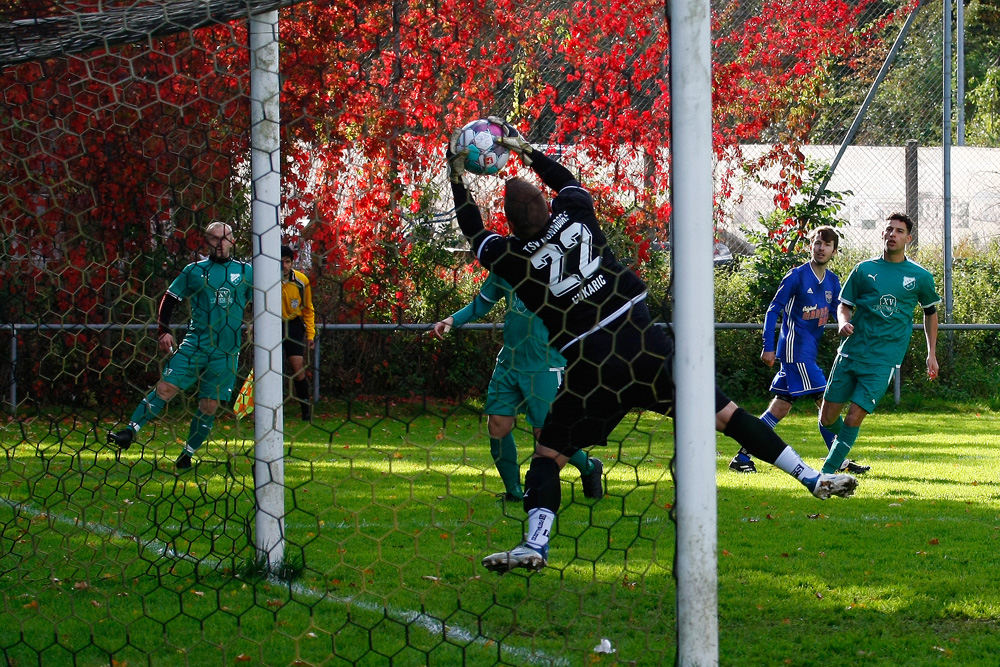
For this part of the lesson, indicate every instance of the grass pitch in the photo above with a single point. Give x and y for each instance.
(116, 560)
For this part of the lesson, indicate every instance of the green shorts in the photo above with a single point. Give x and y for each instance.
(519, 392)
(212, 369)
(857, 382)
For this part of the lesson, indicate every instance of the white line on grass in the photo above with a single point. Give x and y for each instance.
(428, 623)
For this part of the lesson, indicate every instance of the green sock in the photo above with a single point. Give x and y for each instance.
(830, 432)
(504, 453)
(837, 425)
(581, 460)
(841, 448)
(145, 411)
(201, 426)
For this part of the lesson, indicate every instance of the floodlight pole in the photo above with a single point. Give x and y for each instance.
(269, 471)
(693, 325)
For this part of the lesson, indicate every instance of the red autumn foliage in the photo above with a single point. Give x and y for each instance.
(114, 160)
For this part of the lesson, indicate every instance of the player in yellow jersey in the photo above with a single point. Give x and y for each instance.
(299, 333)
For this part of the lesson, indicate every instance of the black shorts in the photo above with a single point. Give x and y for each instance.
(293, 339)
(610, 372)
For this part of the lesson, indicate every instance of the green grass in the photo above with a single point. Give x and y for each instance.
(390, 508)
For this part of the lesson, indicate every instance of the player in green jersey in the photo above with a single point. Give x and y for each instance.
(220, 288)
(876, 317)
(525, 380)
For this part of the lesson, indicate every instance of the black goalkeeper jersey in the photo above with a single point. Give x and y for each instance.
(568, 276)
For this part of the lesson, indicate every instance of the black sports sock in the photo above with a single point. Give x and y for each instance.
(541, 485)
(754, 436)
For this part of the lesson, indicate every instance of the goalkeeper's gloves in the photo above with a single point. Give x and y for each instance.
(456, 159)
(513, 140)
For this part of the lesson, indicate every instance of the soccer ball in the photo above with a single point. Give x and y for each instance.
(485, 156)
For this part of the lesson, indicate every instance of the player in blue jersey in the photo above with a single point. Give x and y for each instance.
(617, 359)
(220, 289)
(804, 300)
(876, 318)
(525, 380)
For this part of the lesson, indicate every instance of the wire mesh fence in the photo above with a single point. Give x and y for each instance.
(125, 130)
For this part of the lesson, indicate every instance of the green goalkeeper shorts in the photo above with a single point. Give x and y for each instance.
(212, 369)
(519, 392)
(857, 382)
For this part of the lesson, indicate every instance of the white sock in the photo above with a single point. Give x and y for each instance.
(790, 461)
(539, 524)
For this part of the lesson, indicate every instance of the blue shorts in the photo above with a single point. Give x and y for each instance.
(794, 381)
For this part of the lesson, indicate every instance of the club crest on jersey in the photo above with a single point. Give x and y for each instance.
(235, 278)
(294, 303)
(829, 296)
(224, 297)
(909, 282)
(886, 305)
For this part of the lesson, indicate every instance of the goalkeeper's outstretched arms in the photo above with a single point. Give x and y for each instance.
(551, 172)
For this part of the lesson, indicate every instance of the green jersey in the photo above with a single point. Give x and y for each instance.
(525, 338)
(883, 295)
(219, 292)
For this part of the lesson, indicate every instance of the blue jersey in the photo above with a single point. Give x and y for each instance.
(805, 304)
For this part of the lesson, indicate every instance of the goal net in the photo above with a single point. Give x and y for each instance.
(126, 129)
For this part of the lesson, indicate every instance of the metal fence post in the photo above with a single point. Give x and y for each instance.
(13, 369)
(315, 361)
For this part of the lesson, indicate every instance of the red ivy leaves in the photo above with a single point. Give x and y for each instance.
(101, 148)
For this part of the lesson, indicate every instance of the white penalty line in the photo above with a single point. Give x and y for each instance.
(420, 619)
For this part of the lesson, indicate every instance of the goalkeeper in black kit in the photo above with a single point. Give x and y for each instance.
(561, 266)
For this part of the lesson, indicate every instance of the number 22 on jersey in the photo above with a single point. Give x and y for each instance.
(568, 271)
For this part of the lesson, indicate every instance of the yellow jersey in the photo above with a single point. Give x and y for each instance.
(296, 301)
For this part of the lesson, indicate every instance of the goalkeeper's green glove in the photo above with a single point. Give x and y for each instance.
(513, 140)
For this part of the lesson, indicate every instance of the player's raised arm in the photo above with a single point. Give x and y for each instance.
(551, 172)
(470, 218)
